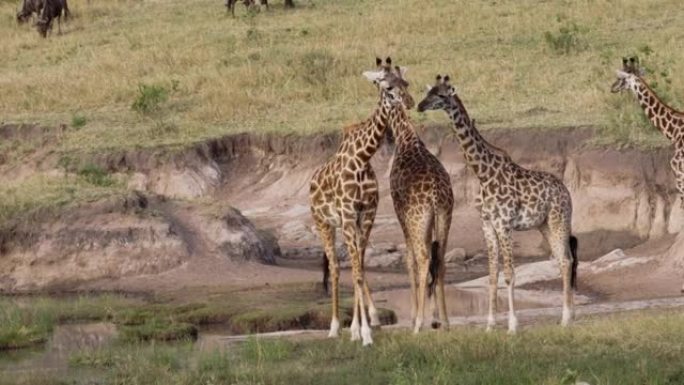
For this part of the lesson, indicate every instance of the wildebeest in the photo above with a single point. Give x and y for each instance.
(28, 8)
(230, 4)
(52, 9)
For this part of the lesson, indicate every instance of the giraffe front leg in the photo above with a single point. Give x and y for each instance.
(493, 254)
(351, 234)
(355, 328)
(504, 237)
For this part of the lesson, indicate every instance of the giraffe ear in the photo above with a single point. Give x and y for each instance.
(402, 71)
(374, 76)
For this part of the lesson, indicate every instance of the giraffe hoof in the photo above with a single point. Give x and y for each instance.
(366, 336)
(355, 333)
(436, 325)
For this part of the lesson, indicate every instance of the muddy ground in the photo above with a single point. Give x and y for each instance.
(177, 231)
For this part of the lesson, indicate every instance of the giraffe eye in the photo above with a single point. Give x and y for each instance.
(390, 88)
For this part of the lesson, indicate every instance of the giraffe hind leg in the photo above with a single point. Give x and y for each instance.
(493, 255)
(327, 234)
(366, 219)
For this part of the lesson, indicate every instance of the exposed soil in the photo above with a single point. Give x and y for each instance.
(184, 243)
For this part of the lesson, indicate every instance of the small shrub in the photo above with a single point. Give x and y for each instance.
(150, 98)
(158, 330)
(95, 175)
(567, 40)
(78, 121)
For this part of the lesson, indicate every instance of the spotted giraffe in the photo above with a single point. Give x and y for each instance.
(512, 198)
(665, 118)
(344, 193)
(423, 201)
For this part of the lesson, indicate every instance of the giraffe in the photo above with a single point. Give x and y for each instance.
(344, 193)
(423, 201)
(665, 118)
(512, 198)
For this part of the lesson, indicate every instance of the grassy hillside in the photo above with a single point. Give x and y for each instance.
(194, 72)
(135, 73)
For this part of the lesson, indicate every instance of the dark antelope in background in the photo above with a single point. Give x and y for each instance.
(52, 9)
(28, 8)
(230, 4)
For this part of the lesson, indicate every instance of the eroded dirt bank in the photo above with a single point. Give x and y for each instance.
(622, 199)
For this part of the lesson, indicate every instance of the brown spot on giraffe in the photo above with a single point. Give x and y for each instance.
(344, 194)
(509, 202)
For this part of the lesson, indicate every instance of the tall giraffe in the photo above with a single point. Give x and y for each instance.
(665, 118)
(423, 201)
(344, 193)
(512, 198)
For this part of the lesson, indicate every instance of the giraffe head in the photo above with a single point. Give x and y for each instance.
(629, 76)
(391, 83)
(438, 96)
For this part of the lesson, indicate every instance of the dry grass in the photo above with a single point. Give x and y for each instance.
(299, 70)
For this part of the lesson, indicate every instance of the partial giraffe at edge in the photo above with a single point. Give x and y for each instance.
(512, 198)
(666, 119)
(423, 202)
(344, 193)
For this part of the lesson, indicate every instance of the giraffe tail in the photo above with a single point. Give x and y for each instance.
(575, 261)
(326, 273)
(434, 267)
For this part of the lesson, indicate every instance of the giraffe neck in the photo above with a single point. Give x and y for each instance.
(363, 141)
(402, 129)
(665, 118)
(480, 155)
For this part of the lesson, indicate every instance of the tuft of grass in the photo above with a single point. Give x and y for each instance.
(95, 175)
(158, 329)
(569, 39)
(150, 98)
(78, 121)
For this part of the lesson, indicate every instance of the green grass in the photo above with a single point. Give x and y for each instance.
(299, 70)
(630, 349)
(27, 321)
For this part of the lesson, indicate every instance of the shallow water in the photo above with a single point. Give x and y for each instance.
(459, 302)
(53, 357)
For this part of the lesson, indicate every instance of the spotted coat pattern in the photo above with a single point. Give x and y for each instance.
(423, 201)
(512, 198)
(344, 194)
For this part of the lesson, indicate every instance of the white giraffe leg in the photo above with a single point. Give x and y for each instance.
(493, 254)
(354, 328)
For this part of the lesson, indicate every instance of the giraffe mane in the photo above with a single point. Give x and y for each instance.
(658, 98)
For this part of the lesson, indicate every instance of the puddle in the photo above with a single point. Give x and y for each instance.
(459, 302)
(54, 356)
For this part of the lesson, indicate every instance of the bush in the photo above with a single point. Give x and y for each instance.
(95, 175)
(150, 98)
(567, 40)
(78, 121)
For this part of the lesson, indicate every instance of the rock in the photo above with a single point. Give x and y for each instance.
(455, 255)
(238, 239)
(614, 260)
(297, 231)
